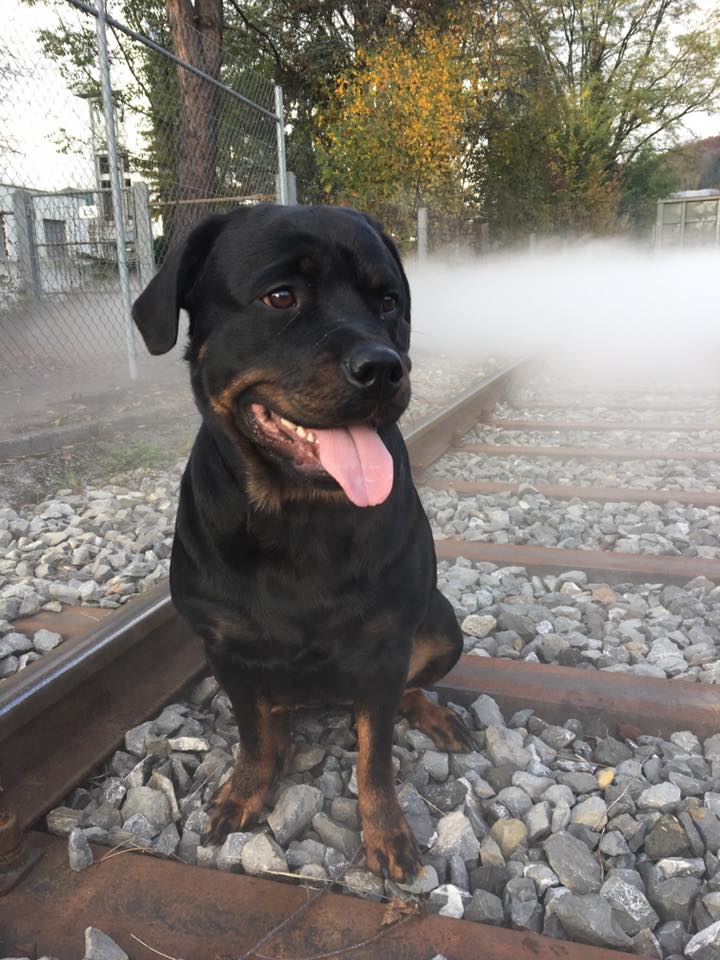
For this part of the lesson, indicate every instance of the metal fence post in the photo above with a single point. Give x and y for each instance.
(422, 233)
(115, 186)
(26, 241)
(281, 160)
(143, 232)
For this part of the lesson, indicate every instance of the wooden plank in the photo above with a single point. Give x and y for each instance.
(605, 702)
(603, 566)
(637, 426)
(585, 453)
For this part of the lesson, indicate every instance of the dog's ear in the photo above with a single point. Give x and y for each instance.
(156, 311)
(389, 243)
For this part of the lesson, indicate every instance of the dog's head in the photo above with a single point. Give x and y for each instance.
(299, 336)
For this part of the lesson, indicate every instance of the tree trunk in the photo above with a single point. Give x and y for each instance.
(197, 31)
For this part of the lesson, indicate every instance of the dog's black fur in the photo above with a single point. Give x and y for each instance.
(300, 596)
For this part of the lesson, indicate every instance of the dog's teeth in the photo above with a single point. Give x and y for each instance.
(310, 437)
(287, 423)
(300, 432)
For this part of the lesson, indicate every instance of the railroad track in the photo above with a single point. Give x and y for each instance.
(65, 714)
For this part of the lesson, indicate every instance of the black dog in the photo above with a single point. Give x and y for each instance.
(302, 555)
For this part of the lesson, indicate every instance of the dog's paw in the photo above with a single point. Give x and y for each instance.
(392, 852)
(231, 811)
(441, 724)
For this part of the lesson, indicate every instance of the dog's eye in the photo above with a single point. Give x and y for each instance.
(388, 303)
(281, 299)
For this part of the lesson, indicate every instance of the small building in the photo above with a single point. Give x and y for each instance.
(688, 219)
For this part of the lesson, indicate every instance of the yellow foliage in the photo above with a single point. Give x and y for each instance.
(395, 127)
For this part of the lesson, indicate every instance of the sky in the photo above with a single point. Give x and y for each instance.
(37, 113)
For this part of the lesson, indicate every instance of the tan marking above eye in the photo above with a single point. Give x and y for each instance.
(280, 299)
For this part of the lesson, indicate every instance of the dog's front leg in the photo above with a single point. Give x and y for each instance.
(390, 847)
(264, 742)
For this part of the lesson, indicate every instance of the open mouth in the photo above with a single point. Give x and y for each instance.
(353, 455)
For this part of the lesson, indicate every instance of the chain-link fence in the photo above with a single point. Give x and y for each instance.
(171, 141)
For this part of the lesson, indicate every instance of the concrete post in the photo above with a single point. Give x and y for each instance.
(422, 233)
(116, 187)
(143, 233)
(26, 241)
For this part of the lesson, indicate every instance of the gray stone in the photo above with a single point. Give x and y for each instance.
(364, 884)
(448, 901)
(663, 797)
(46, 640)
(345, 810)
(485, 908)
(486, 712)
(424, 881)
(613, 844)
(189, 744)
(99, 946)
(62, 820)
(533, 786)
(705, 945)
(681, 867)
(135, 738)
(515, 800)
(543, 877)
(538, 822)
(575, 866)
(416, 814)
(302, 852)
(335, 835)
(673, 936)
(478, 625)
(138, 825)
(506, 747)
(294, 811)
(634, 913)
(708, 826)
(261, 855)
(229, 857)
(437, 764)
(672, 899)
(667, 838)
(590, 813)
(152, 804)
(455, 836)
(80, 855)
(307, 757)
(590, 919)
(509, 834)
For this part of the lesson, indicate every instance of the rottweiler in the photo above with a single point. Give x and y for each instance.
(302, 555)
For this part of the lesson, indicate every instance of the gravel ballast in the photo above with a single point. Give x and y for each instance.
(660, 441)
(650, 630)
(681, 475)
(529, 517)
(542, 828)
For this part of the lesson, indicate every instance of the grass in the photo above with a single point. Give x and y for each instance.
(109, 458)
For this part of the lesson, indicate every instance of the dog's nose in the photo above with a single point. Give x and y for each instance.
(374, 369)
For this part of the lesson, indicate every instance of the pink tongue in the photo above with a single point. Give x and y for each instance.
(359, 461)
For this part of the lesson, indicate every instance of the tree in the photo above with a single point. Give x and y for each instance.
(608, 78)
(196, 29)
(398, 131)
